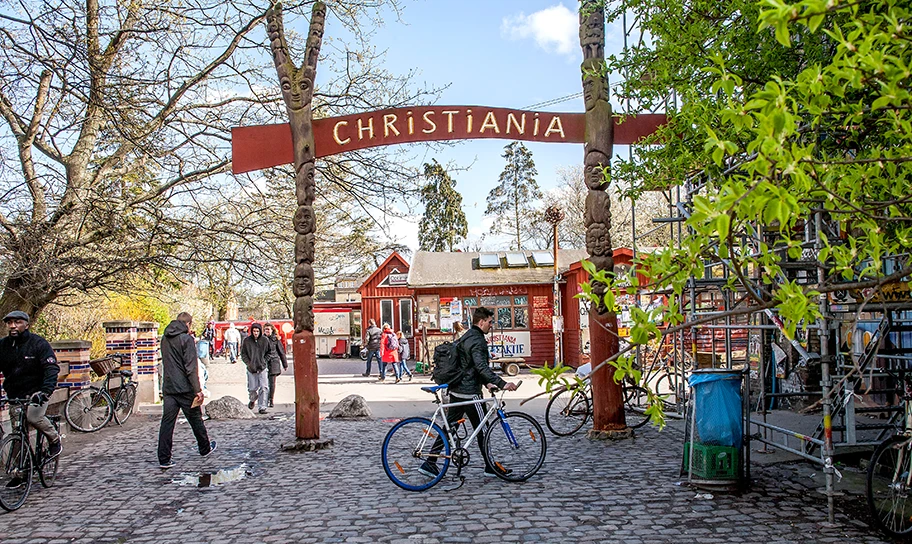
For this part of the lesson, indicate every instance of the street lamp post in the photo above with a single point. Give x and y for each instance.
(554, 215)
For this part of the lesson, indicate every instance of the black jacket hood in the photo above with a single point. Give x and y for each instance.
(176, 328)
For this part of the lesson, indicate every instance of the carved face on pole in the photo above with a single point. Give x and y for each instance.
(303, 314)
(304, 220)
(296, 90)
(593, 170)
(304, 248)
(594, 90)
(598, 239)
(303, 284)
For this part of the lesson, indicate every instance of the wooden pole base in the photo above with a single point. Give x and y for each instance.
(307, 398)
(610, 434)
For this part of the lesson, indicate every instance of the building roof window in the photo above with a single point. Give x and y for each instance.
(517, 260)
(543, 258)
(488, 260)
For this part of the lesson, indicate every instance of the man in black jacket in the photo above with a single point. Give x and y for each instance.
(472, 350)
(29, 369)
(180, 388)
(253, 353)
(372, 342)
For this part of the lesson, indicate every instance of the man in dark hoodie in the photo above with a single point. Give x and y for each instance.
(180, 388)
(253, 353)
(30, 369)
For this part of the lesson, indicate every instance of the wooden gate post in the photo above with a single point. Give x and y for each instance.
(607, 401)
(297, 91)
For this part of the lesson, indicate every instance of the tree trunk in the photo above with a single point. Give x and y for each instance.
(19, 294)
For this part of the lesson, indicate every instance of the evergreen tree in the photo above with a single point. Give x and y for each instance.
(512, 201)
(444, 223)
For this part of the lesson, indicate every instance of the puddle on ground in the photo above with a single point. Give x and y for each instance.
(213, 479)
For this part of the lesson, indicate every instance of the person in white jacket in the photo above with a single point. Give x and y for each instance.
(232, 342)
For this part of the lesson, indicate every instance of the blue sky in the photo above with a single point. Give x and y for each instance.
(501, 53)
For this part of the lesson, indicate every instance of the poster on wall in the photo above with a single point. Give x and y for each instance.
(541, 312)
(456, 310)
(427, 311)
(446, 318)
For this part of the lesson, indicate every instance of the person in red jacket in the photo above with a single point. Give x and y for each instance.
(389, 352)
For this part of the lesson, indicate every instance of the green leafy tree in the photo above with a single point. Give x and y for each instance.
(512, 201)
(443, 224)
(793, 118)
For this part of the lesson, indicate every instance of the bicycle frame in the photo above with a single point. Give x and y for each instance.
(495, 412)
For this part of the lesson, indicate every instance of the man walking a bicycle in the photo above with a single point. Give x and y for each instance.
(29, 367)
(472, 356)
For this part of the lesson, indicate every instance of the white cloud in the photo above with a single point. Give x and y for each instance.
(554, 29)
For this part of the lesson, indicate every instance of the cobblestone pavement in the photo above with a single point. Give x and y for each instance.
(111, 490)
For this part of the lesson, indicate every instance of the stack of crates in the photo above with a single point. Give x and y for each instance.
(712, 462)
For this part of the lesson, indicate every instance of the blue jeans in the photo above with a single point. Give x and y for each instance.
(403, 369)
(396, 370)
(370, 355)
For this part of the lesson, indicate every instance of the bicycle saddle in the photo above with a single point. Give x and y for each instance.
(126, 373)
(435, 388)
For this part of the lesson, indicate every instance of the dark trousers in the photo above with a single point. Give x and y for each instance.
(475, 413)
(272, 380)
(171, 406)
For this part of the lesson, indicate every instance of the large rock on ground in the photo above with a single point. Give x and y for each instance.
(228, 408)
(351, 407)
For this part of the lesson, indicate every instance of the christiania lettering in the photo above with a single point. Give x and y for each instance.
(457, 122)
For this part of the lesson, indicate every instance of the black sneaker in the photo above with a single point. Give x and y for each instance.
(271, 404)
(54, 449)
(366, 375)
(14, 483)
(262, 410)
(492, 472)
(212, 445)
(250, 405)
(166, 465)
(429, 469)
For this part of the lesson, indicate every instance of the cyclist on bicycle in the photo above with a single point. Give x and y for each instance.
(472, 352)
(29, 369)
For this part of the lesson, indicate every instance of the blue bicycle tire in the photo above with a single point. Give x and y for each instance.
(398, 453)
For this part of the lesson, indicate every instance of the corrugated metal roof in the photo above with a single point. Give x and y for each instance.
(438, 269)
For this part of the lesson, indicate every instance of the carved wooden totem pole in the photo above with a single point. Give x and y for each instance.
(297, 89)
(608, 413)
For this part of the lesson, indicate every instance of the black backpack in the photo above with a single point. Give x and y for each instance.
(448, 368)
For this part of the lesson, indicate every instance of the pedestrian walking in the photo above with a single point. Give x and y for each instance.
(232, 340)
(181, 389)
(275, 358)
(209, 336)
(372, 341)
(389, 352)
(403, 355)
(253, 353)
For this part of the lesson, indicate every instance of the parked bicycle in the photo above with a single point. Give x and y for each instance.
(889, 483)
(93, 407)
(514, 444)
(571, 407)
(19, 461)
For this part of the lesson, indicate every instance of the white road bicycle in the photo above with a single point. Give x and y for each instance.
(515, 444)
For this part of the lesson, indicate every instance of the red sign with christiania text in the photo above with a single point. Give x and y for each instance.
(265, 146)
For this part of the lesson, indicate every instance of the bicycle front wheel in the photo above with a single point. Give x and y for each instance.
(888, 488)
(89, 409)
(123, 406)
(515, 446)
(636, 400)
(45, 465)
(16, 476)
(407, 456)
(567, 412)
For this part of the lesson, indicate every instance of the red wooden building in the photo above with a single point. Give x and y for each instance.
(387, 298)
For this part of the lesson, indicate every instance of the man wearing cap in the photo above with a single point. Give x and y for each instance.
(29, 369)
